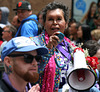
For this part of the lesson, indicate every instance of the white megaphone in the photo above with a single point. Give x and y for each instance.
(80, 77)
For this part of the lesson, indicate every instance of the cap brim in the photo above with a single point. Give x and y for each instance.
(18, 9)
(21, 9)
(40, 50)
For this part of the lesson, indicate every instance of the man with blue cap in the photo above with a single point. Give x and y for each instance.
(21, 57)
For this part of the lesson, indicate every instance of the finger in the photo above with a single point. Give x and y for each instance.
(35, 88)
(38, 87)
(54, 43)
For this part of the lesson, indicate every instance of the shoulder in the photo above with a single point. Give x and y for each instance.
(33, 16)
(69, 42)
(39, 40)
(3, 44)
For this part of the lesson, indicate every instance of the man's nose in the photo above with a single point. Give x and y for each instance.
(34, 62)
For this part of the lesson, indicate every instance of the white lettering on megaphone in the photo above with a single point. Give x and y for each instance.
(63, 75)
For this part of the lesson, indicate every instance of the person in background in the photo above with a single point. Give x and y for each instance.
(90, 17)
(4, 14)
(84, 33)
(1, 40)
(66, 32)
(40, 17)
(21, 56)
(73, 28)
(15, 22)
(98, 3)
(2, 26)
(95, 34)
(98, 17)
(94, 51)
(40, 21)
(28, 27)
(71, 20)
(7, 34)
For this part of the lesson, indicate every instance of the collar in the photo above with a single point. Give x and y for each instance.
(5, 78)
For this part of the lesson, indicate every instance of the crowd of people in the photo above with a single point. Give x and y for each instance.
(37, 61)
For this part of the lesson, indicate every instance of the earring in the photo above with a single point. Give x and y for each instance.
(9, 66)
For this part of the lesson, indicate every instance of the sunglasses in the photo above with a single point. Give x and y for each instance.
(6, 31)
(27, 57)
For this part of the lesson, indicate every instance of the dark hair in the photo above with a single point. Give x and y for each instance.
(78, 24)
(72, 20)
(1, 30)
(89, 11)
(98, 3)
(55, 5)
(39, 13)
(86, 32)
(92, 47)
(18, 21)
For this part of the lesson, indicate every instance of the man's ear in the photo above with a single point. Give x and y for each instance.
(7, 61)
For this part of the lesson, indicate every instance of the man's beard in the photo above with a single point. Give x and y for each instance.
(27, 76)
(33, 78)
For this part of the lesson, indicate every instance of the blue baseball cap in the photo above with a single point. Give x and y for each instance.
(22, 44)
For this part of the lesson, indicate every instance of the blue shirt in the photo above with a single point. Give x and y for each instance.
(28, 28)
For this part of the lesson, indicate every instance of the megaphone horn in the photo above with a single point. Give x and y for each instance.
(80, 77)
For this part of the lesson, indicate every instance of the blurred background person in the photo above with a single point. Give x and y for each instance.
(7, 34)
(98, 17)
(40, 21)
(2, 26)
(40, 17)
(98, 3)
(90, 17)
(66, 32)
(28, 26)
(95, 34)
(94, 51)
(15, 22)
(4, 14)
(73, 28)
(84, 34)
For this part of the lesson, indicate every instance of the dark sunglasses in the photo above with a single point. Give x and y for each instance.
(6, 31)
(27, 57)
